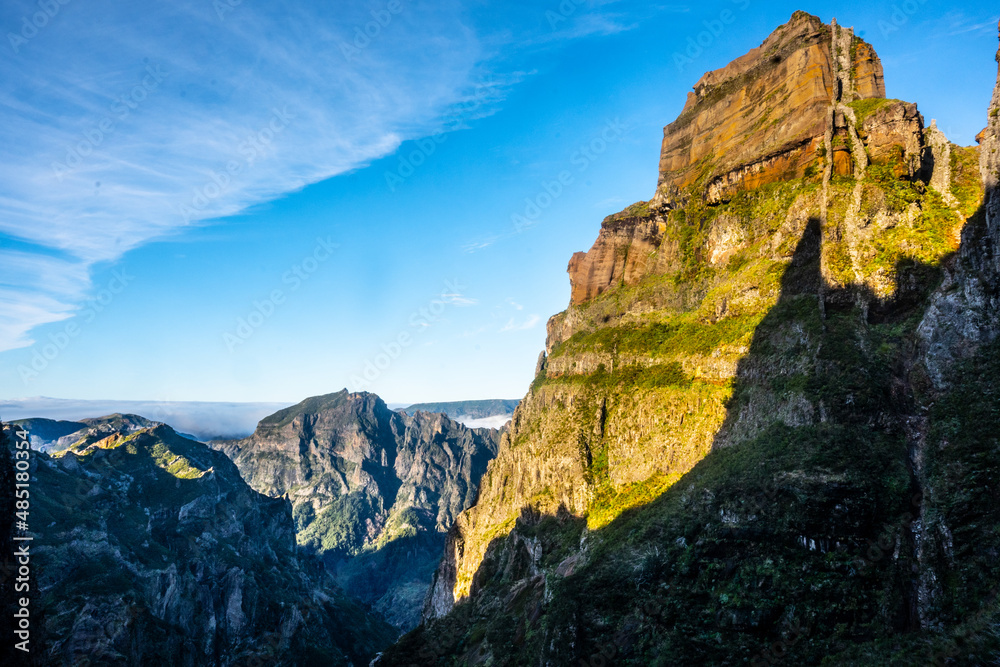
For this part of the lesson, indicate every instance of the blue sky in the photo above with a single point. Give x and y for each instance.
(225, 200)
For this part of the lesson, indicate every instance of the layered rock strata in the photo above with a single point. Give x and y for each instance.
(761, 119)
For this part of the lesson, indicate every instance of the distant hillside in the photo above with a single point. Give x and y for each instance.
(465, 411)
(205, 420)
(45, 432)
(49, 435)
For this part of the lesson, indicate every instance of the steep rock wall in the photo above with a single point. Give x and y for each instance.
(761, 119)
(963, 315)
(778, 94)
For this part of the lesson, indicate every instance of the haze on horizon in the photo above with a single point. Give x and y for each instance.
(224, 201)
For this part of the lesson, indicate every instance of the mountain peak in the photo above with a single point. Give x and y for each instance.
(373, 491)
(313, 405)
(762, 117)
(782, 112)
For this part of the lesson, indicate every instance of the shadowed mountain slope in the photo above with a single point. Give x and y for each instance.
(149, 548)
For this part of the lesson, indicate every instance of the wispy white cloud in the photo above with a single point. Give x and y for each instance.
(459, 300)
(950, 24)
(960, 24)
(514, 325)
(576, 18)
(122, 123)
(473, 246)
(22, 311)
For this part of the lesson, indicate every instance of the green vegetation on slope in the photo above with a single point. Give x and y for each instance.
(764, 544)
(866, 107)
(141, 542)
(966, 182)
(341, 528)
(680, 336)
(796, 545)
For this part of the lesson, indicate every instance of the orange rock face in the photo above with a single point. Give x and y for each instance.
(843, 163)
(761, 118)
(868, 78)
(624, 252)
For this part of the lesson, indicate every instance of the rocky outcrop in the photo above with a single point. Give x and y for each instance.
(809, 91)
(868, 78)
(762, 117)
(150, 548)
(895, 130)
(940, 161)
(627, 249)
(373, 491)
(989, 141)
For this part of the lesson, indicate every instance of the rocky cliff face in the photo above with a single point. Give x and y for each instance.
(761, 119)
(373, 491)
(953, 435)
(753, 429)
(150, 548)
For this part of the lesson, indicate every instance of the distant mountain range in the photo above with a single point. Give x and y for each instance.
(52, 436)
(203, 420)
(488, 413)
(373, 491)
(206, 420)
